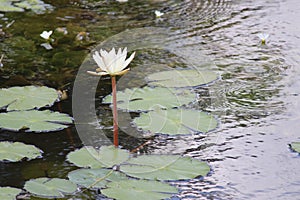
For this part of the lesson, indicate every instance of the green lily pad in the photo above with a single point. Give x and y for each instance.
(165, 167)
(175, 121)
(50, 188)
(181, 78)
(106, 156)
(144, 99)
(34, 120)
(95, 178)
(36, 6)
(296, 146)
(17, 151)
(9, 193)
(28, 97)
(139, 189)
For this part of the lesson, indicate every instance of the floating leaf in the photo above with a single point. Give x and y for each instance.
(9, 193)
(296, 146)
(17, 151)
(36, 6)
(143, 99)
(165, 167)
(50, 188)
(181, 78)
(175, 121)
(28, 97)
(34, 120)
(139, 189)
(6, 6)
(95, 178)
(106, 156)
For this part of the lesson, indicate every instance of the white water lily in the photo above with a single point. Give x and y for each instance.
(158, 13)
(111, 63)
(263, 37)
(46, 34)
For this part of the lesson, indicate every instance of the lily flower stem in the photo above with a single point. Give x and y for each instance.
(115, 112)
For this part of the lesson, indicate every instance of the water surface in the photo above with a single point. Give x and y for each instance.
(256, 99)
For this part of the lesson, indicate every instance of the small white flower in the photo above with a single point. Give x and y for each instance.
(46, 34)
(263, 37)
(121, 1)
(111, 63)
(158, 13)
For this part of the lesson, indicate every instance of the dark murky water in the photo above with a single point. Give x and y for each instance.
(256, 100)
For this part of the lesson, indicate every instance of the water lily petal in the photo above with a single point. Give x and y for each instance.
(47, 46)
(120, 60)
(97, 73)
(112, 61)
(98, 59)
(120, 73)
(128, 60)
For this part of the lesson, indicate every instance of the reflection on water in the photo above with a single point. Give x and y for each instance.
(256, 100)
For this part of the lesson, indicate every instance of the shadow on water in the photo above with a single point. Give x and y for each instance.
(256, 100)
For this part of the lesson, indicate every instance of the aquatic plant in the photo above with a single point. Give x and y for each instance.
(158, 13)
(113, 64)
(46, 34)
(22, 104)
(120, 175)
(263, 37)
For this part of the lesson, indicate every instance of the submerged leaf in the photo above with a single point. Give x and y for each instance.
(175, 121)
(28, 97)
(34, 120)
(9, 193)
(106, 156)
(181, 78)
(95, 178)
(17, 151)
(144, 99)
(139, 189)
(296, 146)
(50, 188)
(165, 167)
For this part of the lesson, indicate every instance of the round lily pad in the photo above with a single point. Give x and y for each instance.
(181, 78)
(36, 6)
(95, 178)
(144, 99)
(175, 121)
(34, 120)
(9, 193)
(50, 188)
(28, 97)
(17, 151)
(139, 189)
(165, 167)
(106, 156)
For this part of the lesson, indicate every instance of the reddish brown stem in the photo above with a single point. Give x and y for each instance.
(115, 112)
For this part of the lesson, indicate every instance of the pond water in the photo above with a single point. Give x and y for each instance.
(256, 99)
